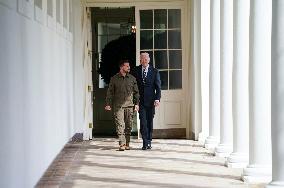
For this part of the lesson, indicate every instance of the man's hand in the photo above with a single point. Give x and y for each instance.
(156, 103)
(136, 108)
(108, 108)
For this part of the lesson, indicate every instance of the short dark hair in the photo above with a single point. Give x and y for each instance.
(121, 62)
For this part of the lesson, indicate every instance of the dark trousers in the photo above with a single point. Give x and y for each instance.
(146, 115)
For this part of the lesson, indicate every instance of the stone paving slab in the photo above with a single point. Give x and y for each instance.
(171, 163)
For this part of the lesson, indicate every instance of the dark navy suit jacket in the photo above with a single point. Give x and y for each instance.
(151, 89)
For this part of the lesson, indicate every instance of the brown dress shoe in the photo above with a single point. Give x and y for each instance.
(121, 148)
(127, 146)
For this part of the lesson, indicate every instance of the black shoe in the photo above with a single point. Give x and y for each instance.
(144, 148)
(149, 145)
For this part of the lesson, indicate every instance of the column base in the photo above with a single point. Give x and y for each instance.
(237, 160)
(201, 138)
(275, 184)
(257, 174)
(211, 142)
(223, 150)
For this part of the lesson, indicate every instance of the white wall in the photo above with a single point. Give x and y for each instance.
(79, 74)
(41, 94)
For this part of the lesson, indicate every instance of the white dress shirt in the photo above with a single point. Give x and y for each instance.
(146, 70)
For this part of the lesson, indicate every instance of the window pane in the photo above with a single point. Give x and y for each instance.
(113, 28)
(161, 60)
(124, 30)
(101, 82)
(102, 28)
(175, 79)
(112, 37)
(146, 19)
(175, 59)
(102, 41)
(160, 19)
(146, 41)
(174, 39)
(174, 18)
(151, 57)
(164, 79)
(160, 39)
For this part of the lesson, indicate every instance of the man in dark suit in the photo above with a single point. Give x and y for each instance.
(149, 85)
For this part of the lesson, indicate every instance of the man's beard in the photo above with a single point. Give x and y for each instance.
(126, 71)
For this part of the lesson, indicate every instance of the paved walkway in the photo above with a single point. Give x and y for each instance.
(170, 163)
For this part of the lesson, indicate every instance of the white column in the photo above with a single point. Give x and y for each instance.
(214, 84)
(259, 168)
(205, 63)
(277, 90)
(196, 82)
(239, 157)
(226, 127)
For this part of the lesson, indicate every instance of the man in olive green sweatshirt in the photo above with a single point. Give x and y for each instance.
(123, 98)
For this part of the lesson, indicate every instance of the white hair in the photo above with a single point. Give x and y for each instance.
(145, 54)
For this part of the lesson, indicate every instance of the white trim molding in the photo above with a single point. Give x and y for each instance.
(126, 3)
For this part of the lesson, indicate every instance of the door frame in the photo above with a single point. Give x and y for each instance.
(184, 92)
(87, 66)
(186, 36)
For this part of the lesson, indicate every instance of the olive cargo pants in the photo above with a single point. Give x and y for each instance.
(123, 118)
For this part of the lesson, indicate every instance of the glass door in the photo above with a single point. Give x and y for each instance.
(159, 33)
